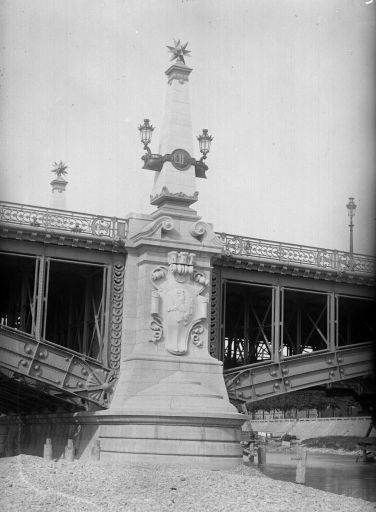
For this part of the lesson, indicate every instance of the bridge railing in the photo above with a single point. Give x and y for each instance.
(50, 219)
(299, 255)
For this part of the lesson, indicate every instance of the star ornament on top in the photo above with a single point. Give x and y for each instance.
(179, 51)
(60, 168)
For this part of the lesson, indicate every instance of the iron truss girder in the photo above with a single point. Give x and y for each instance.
(58, 368)
(262, 380)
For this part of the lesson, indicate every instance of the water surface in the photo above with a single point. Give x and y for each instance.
(339, 474)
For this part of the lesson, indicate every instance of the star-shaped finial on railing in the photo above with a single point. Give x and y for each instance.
(179, 51)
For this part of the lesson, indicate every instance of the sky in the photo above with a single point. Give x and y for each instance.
(286, 88)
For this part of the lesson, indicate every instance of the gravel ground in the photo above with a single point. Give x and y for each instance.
(29, 483)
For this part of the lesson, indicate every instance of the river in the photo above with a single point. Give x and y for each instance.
(339, 474)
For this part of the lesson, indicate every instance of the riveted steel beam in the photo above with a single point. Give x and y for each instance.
(55, 366)
(262, 380)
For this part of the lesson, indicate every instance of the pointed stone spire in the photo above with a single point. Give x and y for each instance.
(58, 184)
(176, 182)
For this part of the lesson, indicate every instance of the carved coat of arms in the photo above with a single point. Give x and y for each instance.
(178, 309)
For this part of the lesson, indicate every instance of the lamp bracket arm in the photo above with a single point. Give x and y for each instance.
(200, 168)
(147, 149)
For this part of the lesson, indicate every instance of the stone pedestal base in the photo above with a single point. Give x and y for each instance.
(210, 441)
(176, 420)
(139, 375)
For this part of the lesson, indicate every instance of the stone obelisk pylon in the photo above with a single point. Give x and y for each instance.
(170, 404)
(170, 183)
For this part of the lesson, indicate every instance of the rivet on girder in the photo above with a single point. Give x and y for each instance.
(341, 370)
(79, 384)
(329, 361)
(276, 385)
(84, 371)
(332, 373)
(285, 370)
(287, 382)
(23, 362)
(36, 367)
(240, 393)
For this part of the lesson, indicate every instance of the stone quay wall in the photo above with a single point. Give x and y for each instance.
(305, 428)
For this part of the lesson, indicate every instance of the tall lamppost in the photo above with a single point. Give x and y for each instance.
(351, 206)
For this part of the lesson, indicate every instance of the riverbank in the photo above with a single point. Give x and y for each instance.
(329, 451)
(335, 445)
(30, 483)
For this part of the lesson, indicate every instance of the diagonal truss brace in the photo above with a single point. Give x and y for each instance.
(57, 367)
(265, 379)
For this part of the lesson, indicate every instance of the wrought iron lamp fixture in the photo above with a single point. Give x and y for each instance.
(180, 158)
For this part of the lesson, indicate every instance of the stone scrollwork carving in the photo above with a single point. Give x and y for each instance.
(199, 230)
(203, 231)
(165, 224)
(158, 273)
(178, 309)
(156, 327)
(156, 322)
(196, 334)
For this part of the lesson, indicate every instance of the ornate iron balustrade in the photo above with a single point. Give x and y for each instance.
(49, 219)
(306, 256)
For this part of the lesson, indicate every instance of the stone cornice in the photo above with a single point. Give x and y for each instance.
(165, 196)
(271, 267)
(61, 238)
(178, 72)
(173, 244)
